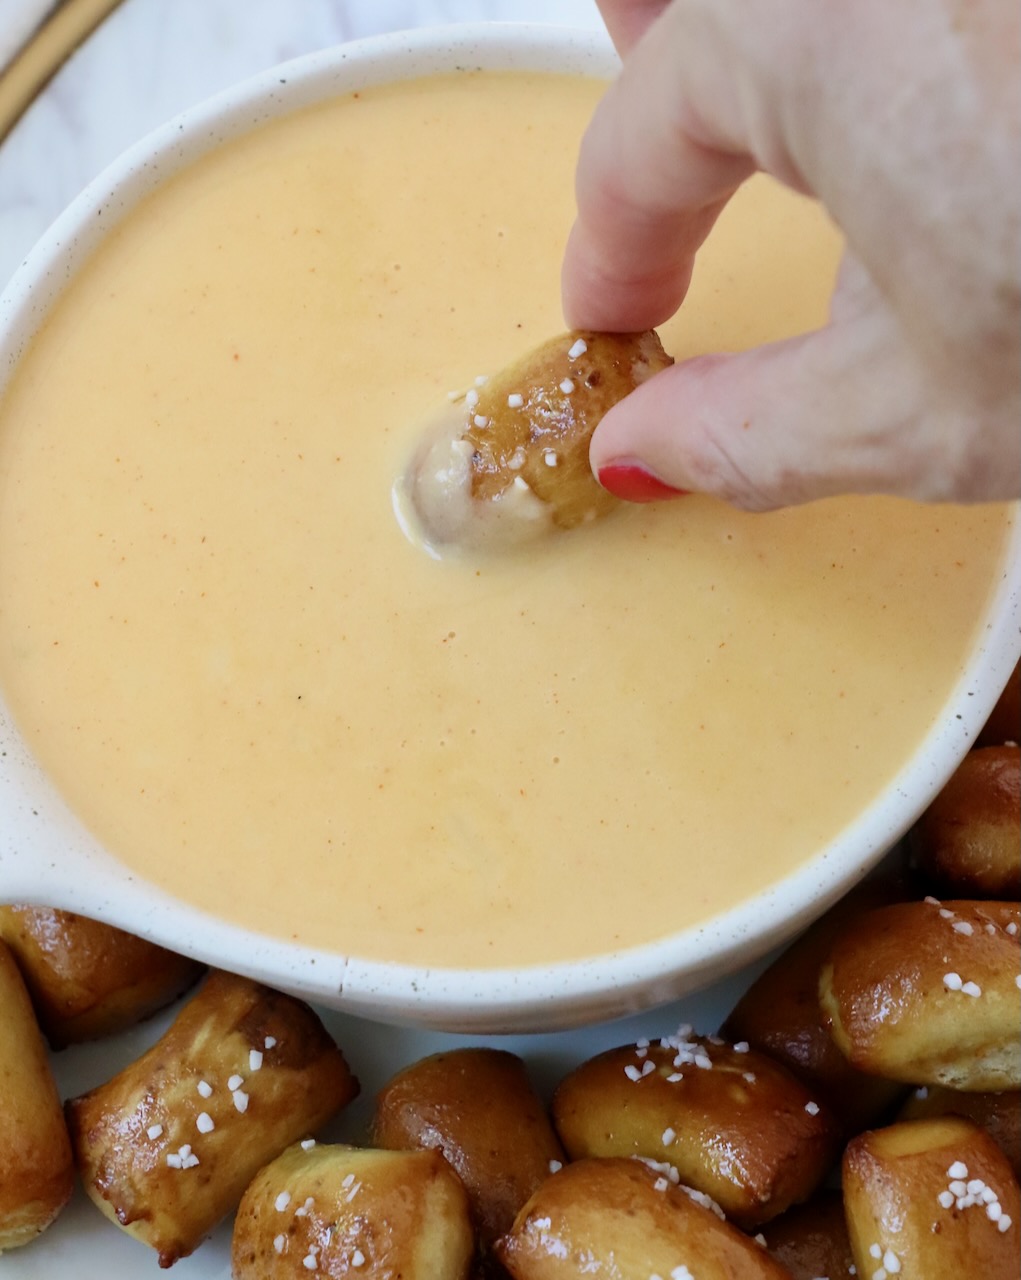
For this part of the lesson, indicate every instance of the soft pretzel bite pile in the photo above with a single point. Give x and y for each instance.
(858, 1113)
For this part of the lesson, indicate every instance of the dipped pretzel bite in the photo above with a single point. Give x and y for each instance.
(88, 980)
(36, 1168)
(928, 993)
(734, 1124)
(967, 844)
(478, 1107)
(931, 1200)
(622, 1219)
(779, 1015)
(811, 1239)
(167, 1147)
(513, 461)
(999, 1114)
(341, 1211)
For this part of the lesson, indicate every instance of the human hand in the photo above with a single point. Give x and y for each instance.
(904, 120)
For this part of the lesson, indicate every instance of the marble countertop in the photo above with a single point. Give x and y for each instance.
(152, 58)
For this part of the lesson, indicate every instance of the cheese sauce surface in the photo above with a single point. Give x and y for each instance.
(261, 696)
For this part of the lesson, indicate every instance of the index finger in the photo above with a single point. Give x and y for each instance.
(626, 20)
(648, 193)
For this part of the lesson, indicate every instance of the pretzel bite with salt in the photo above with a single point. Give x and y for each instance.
(88, 980)
(512, 460)
(341, 1211)
(478, 1107)
(999, 1114)
(1004, 723)
(932, 1199)
(811, 1239)
(36, 1169)
(167, 1147)
(620, 1218)
(780, 1016)
(928, 993)
(734, 1124)
(968, 842)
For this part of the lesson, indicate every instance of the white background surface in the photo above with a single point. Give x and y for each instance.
(151, 59)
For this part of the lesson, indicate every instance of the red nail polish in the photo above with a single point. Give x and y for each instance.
(633, 483)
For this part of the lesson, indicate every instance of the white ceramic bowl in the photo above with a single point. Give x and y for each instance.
(46, 855)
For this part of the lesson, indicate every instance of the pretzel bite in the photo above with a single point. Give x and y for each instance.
(780, 1016)
(734, 1124)
(513, 460)
(1004, 723)
(36, 1169)
(88, 980)
(929, 993)
(622, 1219)
(811, 1239)
(478, 1107)
(968, 842)
(999, 1114)
(167, 1147)
(931, 1200)
(341, 1211)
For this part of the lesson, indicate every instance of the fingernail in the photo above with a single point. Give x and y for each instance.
(630, 481)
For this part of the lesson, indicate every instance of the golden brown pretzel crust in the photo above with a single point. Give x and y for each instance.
(999, 1114)
(146, 1156)
(616, 1217)
(968, 842)
(478, 1107)
(340, 1211)
(811, 1239)
(88, 980)
(897, 993)
(36, 1169)
(779, 1015)
(907, 1198)
(742, 1130)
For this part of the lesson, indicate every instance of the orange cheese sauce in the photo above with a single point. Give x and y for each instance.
(263, 697)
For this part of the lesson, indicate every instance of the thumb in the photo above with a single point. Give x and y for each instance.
(834, 411)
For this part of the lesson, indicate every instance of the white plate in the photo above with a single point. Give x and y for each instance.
(83, 1245)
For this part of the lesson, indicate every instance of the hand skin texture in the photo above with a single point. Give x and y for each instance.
(904, 120)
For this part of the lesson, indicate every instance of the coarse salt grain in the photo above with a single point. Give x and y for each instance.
(154, 1131)
(946, 1199)
(1004, 1222)
(482, 379)
(812, 1108)
(481, 420)
(205, 1089)
(1012, 928)
(555, 1166)
(235, 1082)
(204, 1122)
(953, 981)
(567, 386)
(302, 1212)
(971, 989)
(962, 926)
(875, 1251)
(269, 1042)
(240, 1099)
(579, 349)
(550, 458)
(280, 1242)
(173, 1160)
(660, 1184)
(358, 1258)
(455, 395)
(958, 1170)
(891, 1262)
(946, 913)
(282, 1201)
(749, 1076)
(254, 1059)
(347, 1180)
(471, 399)
(674, 1077)
(308, 1144)
(515, 401)
(668, 1136)
(309, 1262)
(742, 1046)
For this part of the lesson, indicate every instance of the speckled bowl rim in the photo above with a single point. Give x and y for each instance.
(36, 821)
